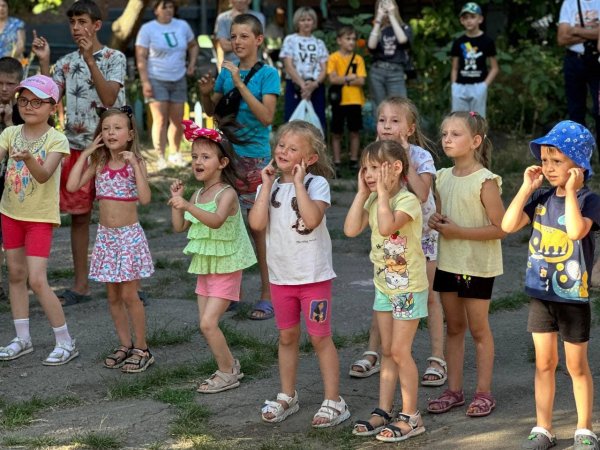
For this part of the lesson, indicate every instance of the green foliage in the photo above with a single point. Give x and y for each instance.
(35, 6)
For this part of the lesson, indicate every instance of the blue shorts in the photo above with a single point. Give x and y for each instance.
(168, 91)
(403, 306)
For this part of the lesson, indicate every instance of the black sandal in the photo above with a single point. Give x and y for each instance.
(118, 357)
(141, 359)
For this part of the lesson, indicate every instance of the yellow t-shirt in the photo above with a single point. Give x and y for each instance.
(338, 63)
(461, 202)
(399, 262)
(24, 198)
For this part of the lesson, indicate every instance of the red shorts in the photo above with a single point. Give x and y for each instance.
(313, 300)
(36, 237)
(220, 285)
(81, 201)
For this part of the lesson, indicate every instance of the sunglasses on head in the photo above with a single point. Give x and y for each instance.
(125, 109)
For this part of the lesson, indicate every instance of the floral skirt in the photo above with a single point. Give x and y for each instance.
(120, 254)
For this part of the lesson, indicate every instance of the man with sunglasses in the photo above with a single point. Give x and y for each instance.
(92, 76)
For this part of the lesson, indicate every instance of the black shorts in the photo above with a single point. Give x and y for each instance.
(466, 286)
(349, 114)
(572, 321)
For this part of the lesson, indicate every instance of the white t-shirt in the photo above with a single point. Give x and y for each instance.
(307, 54)
(569, 14)
(295, 254)
(422, 161)
(167, 46)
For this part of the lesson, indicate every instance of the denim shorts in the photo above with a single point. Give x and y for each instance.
(168, 91)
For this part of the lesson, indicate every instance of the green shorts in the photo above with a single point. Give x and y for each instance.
(403, 306)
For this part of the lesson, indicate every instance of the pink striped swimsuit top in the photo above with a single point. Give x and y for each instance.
(116, 184)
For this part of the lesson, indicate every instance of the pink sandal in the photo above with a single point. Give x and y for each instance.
(445, 402)
(484, 403)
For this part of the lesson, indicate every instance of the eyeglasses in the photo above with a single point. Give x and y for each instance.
(35, 103)
(125, 109)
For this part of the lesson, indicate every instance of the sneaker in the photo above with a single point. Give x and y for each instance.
(62, 354)
(585, 440)
(17, 348)
(539, 439)
(176, 159)
(161, 163)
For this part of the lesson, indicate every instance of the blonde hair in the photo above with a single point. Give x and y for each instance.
(412, 117)
(313, 135)
(101, 156)
(477, 126)
(301, 12)
(386, 151)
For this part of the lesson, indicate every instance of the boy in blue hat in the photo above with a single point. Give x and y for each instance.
(470, 53)
(561, 252)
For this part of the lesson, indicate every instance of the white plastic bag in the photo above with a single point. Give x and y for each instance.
(306, 112)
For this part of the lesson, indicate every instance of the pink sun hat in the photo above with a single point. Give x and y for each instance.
(42, 86)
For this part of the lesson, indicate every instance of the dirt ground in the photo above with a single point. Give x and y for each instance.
(82, 400)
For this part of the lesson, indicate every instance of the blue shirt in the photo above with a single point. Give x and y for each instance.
(265, 81)
(558, 268)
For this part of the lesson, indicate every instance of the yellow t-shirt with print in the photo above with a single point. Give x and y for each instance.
(24, 198)
(338, 63)
(398, 260)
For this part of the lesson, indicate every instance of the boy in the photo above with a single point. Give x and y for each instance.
(93, 75)
(561, 251)
(346, 68)
(255, 115)
(470, 76)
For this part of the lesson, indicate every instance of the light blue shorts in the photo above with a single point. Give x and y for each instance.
(403, 306)
(168, 91)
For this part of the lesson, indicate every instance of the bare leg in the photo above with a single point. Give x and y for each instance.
(329, 364)
(456, 327)
(583, 385)
(260, 243)
(374, 343)
(17, 283)
(160, 117)
(354, 145)
(175, 131)
(80, 239)
(336, 146)
(38, 281)
(546, 361)
(479, 326)
(211, 310)
(435, 321)
(118, 312)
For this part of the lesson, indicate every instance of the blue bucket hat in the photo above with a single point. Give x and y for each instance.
(471, 8)
(572, 139)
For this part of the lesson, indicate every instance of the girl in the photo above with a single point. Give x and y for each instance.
(219, 244)
(305, 60)
(29, 209)
(121, 256)
(291, 209)
(398, 120)
(469, 255)
(395, 218)
(389, 42)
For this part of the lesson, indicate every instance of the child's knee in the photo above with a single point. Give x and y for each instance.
(546, 363)
(578, 367)
(456, 328)
(320, 343)
(208, 326)
(37, 282)
(17, 275)
(289, 337)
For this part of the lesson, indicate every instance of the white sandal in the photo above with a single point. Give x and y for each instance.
(8, 353)
(62, 354)
(280, 412)
(442, 375)
(219, 382)
(334, 412)
(368, 368)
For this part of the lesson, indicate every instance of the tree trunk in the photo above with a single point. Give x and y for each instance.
(128, 24)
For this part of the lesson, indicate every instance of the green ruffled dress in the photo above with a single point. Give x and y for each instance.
(223, 250)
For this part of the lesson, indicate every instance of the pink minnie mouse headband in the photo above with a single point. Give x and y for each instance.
(192, 131)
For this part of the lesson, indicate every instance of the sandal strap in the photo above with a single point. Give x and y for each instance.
(370, 353)
(134, 353)
(448, 396)
(434, 371)
(412, 421)
(273, 407)
(440, 361)
(17, 340)
(283, 397)
(483, 399)
(330, 409)
(381, 413)
(220, 379)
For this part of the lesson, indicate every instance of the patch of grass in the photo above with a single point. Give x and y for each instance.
(21, 413)
(175, 397)
(4, 307)
(509, 302)
(191, 421)
(333, 438)
(53, 274)
(30, 442)
(98, 440)
(339, 340)
(167, 263)
(162, 335)
(242, 311)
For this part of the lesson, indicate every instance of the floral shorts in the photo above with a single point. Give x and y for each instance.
(120, 254)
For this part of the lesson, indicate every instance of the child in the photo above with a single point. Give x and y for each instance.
(219, 244)
(93, 75)
(29, 209)
(291, 209)
(558, 274)
(470, 52)
(256, 112)
(223, 28)
(469, 256)
(121, 256)
(398, 120)
(346, 68)
(400, 278)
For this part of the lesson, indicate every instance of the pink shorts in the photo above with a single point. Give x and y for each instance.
(36, 237)
(313, 300)
(220, 285)
(81, 201)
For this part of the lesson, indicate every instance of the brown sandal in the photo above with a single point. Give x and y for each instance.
(118, 357)
(139, 359)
